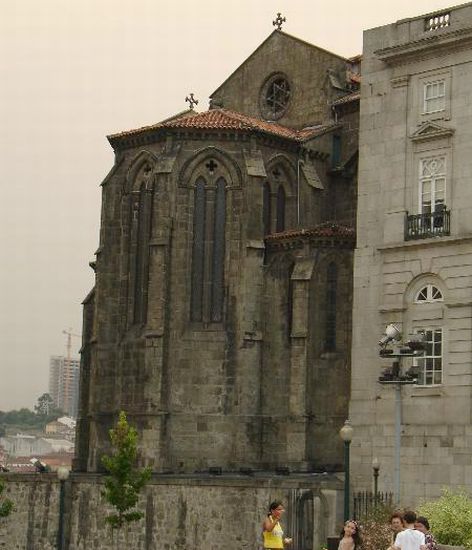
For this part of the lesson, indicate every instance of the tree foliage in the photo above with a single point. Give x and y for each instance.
(125, 481)
(375, 528)
(450, 518)
(6, 505)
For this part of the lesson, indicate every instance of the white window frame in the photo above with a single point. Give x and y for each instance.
(431, 290)
(432, 179)
(441, 94)
(432, 359)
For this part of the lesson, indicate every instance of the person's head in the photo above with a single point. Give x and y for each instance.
(396, 522)
(409, 517)
(422, 524)
(276, 509)
(351, 529)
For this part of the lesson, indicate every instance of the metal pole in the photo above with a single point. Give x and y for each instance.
(346, 480)
(398, 428)
(60, 529)
(376, 486)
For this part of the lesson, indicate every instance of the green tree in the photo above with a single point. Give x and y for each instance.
(6, 505)
(450, 518)
(125, 481)
(44, 405)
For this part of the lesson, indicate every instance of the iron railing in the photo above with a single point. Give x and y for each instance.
(366, 501)
(423, 226)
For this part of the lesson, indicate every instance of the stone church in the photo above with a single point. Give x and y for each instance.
(220, 319)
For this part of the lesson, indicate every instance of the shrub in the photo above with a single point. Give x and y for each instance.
(450, 518)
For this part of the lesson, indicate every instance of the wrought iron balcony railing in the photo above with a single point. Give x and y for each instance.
(423, 226)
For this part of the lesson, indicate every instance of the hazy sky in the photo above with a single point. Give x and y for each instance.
(73, 72)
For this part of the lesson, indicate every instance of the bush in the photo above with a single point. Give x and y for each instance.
(375, 528)
(450, 518)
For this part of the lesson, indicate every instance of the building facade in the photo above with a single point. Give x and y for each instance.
(413, 261)
(220, 318)
(64, 375)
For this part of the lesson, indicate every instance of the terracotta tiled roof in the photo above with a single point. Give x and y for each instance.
(224, 119)
(347, 99)
(327, 229)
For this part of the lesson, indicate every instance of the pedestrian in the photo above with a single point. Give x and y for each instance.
(409, 538)
(272, 531)
(422, 524)
(350, 536)
(396, 525)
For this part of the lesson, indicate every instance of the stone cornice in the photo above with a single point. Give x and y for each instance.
(427, 45)
(423, 243)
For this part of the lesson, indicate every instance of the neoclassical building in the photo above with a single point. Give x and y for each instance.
(220, 320)
(413, 262)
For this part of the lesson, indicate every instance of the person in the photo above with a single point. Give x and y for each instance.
(272, 531)
(396, 525)
(409, 538)
(350, 536)
(422, 524)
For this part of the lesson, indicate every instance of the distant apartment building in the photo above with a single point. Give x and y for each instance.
(64, 383)
(30, 445)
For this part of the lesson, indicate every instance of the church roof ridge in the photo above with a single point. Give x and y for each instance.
(225, 119)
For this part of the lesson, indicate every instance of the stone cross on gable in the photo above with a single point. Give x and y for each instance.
(191, 100)
(279, 20)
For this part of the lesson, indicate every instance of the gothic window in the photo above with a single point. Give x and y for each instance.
(198, 252)
(208, 250)
(280, 221)
(428, 294)
(266, 210)
(142, 254)
(431, 363)
(331, 295)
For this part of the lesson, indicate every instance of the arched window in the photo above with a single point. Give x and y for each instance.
(428, 294)
(280, 221)
(141, 279)
(208, 251)
(266, 210)
(198, 251)
(331, 295)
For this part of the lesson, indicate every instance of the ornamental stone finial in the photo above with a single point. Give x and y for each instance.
(279, 21)
(191, 100)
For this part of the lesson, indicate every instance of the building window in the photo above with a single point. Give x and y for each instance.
(142, 255)
(429, 294)
(432, 186)
(331, 296)
(280, 221)
(434, 96)
(208, 251)
(430, 364)
(275, 96)
(266, 209)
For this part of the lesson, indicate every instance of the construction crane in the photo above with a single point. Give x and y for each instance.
(66, 393)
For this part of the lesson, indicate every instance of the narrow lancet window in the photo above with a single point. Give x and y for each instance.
(198, 252)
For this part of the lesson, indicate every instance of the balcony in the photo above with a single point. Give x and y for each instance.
(425, 226)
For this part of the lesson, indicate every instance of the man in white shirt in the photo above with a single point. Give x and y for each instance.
(409, 538)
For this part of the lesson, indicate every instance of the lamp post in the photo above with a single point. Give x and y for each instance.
(390, 348)
(345, 434)
(376, 468)
(63, 475)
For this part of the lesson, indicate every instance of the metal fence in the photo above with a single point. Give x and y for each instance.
(366, 501)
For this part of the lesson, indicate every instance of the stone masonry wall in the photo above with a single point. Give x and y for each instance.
(181, 513)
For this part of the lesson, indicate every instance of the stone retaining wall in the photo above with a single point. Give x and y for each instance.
(181, 512)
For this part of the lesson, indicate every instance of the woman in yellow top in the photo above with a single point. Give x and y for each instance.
(272, 531)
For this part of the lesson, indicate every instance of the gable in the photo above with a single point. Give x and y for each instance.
(431, 130)
(298, 71)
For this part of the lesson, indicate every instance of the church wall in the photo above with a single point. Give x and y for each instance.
(180, 512)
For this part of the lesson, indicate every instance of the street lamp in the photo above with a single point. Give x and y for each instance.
(392, 347)
(376, 468)
(62, 475)
(345, 433)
